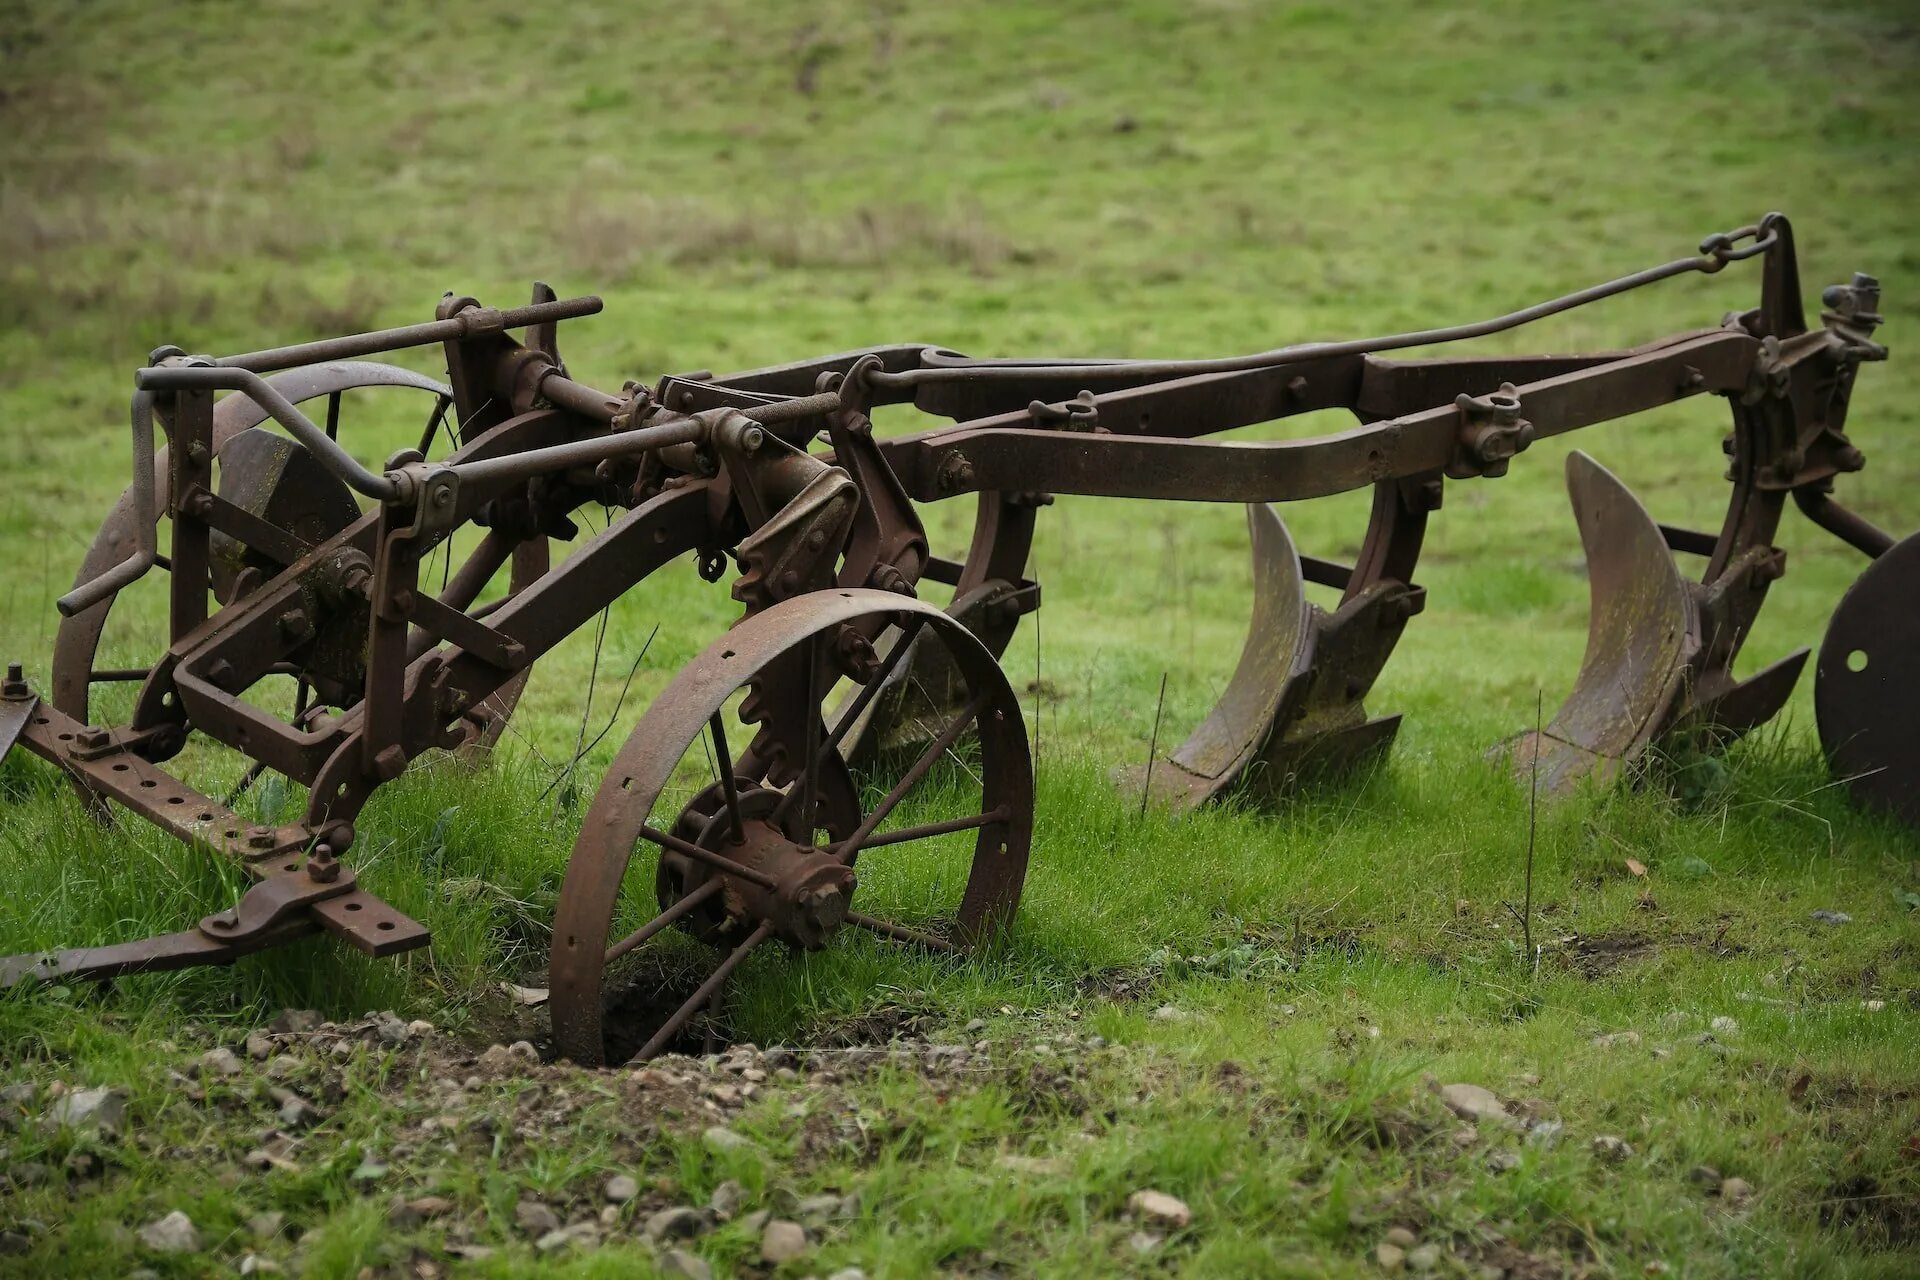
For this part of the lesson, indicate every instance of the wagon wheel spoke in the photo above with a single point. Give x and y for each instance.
(706, 995)
(849, 849)
(928, 830)
(909, 631)
(729, 784)
(899, 933)
(683, 907)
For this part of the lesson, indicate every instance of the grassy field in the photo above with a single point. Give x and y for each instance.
(1247, 1011)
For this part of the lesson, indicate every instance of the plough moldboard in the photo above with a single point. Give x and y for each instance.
(286, 560)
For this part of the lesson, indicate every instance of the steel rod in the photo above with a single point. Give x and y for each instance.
(472, 322)
(899, 932)
(671, 1027)
(729, 785)
(931, 829)
(851, 846)
(1708, 261)
(681, 908)
(718, 862)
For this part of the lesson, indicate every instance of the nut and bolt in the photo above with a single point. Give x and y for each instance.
(322, 866)
(14, 687)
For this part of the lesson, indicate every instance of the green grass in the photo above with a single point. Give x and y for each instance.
(747, 184)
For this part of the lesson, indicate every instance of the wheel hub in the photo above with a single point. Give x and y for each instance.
(811, 891)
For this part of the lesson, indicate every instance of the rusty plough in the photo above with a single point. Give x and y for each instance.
(770, 770)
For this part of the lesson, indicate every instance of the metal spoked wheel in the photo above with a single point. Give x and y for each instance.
(275, 477)
(777, 841)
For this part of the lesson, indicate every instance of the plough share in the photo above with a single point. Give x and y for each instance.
(811, 736)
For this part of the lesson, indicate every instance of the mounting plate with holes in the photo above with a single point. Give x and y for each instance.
(1866, 692)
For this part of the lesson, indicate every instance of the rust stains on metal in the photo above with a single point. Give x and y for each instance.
(843, 719)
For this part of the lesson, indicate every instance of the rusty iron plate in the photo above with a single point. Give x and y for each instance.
(1866, 685)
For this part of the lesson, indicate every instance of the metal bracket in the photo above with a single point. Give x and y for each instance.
(277, 898)
(1491, 433)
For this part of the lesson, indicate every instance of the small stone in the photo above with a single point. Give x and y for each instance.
(688, 1266)
(1706, 1177)
(720, 1140)
(1035, 1166)
(419, 1028)
(1736, 1191)
(782, 1241)
(1611, 1149)
(820, 1209)
(282, 1066)
(848, 1273)
(535, 1218)
(1425, 1258)
(1616, 1039)
(401, 1215)
(174, 1233)
(297, 1022)
(431, 1206)
(1835, 918)
(727, 1199)
(1170, 1013)
(681, 1222)
(255, 1265)
(259, 1046)
(1464, 1136)
(265, 1226)
(1145, 1241)
(582, 1235)
(620, 1189)
(1159, 1208)
(102, 1109)
(756, 1222)
(1472, 1102)
(1502, 1161)
(1390, 1257)
(1873, 1006)
(976, 1026)
(296, 1112)
(1725, 1026)
(1546, 1134)
(609, 1215)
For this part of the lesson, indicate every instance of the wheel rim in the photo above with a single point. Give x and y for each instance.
(743, 869)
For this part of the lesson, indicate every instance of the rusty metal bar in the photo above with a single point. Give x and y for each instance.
(470, 323)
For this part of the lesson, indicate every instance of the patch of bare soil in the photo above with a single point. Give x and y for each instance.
(1872, 1214)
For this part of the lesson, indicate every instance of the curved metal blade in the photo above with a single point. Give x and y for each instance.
(1641, 634)
(1278, 651)
(1866, 685)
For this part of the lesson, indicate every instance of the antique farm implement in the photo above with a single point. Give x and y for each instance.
(813, 738)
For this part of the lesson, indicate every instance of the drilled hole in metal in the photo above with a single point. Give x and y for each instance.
(1857, 661)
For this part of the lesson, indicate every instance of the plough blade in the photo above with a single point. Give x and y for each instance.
(1650, 676)
(1866, 690)
(1277, 653)
(1292, 710)
(1641, 631)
